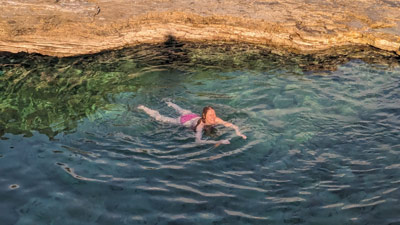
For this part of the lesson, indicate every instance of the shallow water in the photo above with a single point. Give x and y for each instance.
(322, 147)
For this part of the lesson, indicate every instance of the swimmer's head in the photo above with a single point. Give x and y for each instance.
(208, 116)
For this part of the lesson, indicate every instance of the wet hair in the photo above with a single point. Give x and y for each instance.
(203, 116)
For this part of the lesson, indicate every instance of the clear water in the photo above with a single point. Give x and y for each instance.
(322, 147)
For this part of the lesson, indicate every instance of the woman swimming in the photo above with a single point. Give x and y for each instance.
(194, 121)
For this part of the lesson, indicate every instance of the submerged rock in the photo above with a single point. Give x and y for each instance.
(74, 27)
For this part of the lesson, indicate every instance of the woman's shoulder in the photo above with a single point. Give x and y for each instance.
(219, 120)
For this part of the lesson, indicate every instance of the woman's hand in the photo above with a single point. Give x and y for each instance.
(224, 142)
(241, 135)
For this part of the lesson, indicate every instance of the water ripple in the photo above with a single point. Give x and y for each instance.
(351, 206)
(71, 172)
(241, 214)
(286, 200)
(194, 190)
(229, 153)
(231, 185)
(184, 200)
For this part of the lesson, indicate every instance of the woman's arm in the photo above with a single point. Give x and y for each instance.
(227, 124)
(199, 134)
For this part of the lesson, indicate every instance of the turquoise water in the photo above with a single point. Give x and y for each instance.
(323, 147)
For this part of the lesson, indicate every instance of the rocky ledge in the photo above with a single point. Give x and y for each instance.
(75, 27)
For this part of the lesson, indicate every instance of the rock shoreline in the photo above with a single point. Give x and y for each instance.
(75, 27)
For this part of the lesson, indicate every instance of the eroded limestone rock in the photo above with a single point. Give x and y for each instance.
(73, 27)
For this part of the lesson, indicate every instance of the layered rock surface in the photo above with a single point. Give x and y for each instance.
(74, 27)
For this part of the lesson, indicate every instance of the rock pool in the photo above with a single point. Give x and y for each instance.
(323, 142)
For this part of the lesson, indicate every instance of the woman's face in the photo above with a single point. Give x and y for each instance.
(210, 116)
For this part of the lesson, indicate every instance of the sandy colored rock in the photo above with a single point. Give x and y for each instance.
(73, 27)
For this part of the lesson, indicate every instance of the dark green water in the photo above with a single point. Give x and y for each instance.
(323, 145)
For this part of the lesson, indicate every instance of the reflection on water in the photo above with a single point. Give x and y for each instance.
(323, 138)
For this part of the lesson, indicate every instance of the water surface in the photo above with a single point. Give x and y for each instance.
(323, 146)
